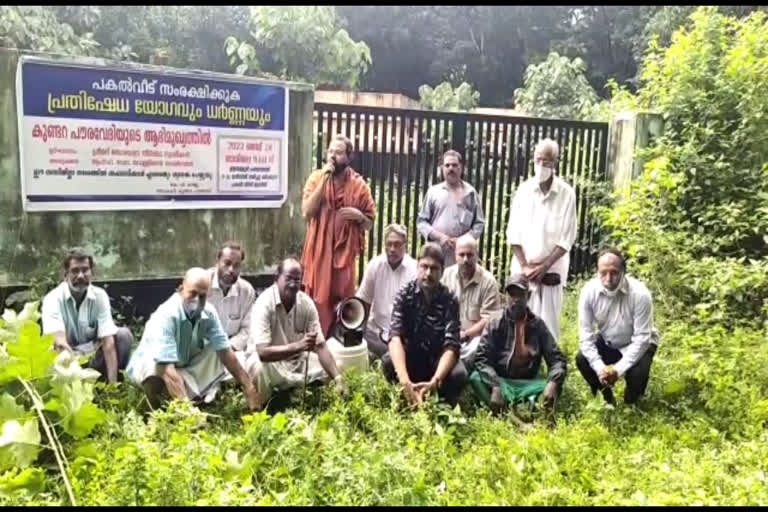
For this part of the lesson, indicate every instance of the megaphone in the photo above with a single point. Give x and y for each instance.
(351, 316)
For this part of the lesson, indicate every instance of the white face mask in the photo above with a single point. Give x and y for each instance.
(192, 307)
(612, 293)
(543, 173)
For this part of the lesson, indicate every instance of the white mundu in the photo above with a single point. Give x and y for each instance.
(539, 222)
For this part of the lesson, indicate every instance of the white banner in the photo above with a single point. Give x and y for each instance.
(102, 139)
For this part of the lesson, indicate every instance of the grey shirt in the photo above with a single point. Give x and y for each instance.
(442, 213)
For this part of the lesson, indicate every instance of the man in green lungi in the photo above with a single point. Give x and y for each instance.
(510, 352)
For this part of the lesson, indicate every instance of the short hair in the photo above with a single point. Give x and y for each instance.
(281, 265)
(398, 229)
(231, 245)
(551, 144)
(466, 238)
(432, 250)
(345, 140)
(452, 152)
(615, 252)
(76, 253)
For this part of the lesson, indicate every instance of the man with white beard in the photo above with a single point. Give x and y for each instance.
(541, 231)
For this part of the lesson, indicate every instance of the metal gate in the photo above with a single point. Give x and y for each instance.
(398, 151)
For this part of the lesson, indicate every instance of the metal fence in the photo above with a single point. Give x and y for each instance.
(398, 151)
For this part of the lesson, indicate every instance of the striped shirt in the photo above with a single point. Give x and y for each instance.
(425, 331)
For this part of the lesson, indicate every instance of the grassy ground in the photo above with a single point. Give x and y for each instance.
(699, 438)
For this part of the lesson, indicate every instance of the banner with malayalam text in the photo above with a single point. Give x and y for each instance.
(102, 138)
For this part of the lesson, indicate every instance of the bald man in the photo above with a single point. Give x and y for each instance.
(478, 294)
(184, 351)
(541, 231)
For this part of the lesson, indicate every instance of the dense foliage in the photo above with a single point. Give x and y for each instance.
(694, 228)
(383, 48)
(447, 98)
(299, 43)
(700, 438)
(696, 220)
(556, 88)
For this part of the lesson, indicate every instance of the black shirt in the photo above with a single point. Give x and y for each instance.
(426, 331)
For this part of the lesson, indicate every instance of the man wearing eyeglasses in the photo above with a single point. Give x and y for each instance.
(384, 276)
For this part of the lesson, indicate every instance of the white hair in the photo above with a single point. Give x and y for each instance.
(466, 239)
(398, 229)
(549, 144)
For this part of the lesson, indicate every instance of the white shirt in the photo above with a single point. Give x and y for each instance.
(625, 322)
(380, 285)
(540, 222)
(272, 325)
(234, 310)
(84, 326)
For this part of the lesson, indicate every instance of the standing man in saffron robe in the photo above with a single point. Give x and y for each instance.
(339, 209)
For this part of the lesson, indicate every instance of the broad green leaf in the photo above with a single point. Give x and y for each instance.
(30, 479)
(84, 420)
(11, 368)
(73, 404)
(10, 410)
(32, 351)
(19, 444)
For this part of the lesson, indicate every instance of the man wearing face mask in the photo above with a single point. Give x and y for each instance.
(184, 352)
(79, 316)
(286, 340)
(339, 209)
(510, 352)
(424, 345)
(451, 209)
(616, 334)
(478, 295)
(384, 276)
(232, 296)
(541, 231)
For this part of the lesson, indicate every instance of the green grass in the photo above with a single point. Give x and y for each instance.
(699, 438)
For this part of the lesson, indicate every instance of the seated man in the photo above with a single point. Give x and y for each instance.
(616, 334)
(231, 296)
(424, 346)
(510, 352)
(184, 352)
(286, 337)
(79, 316)
(383, 278)
(478, 295)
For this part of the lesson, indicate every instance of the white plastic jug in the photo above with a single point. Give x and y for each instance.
(349, 357)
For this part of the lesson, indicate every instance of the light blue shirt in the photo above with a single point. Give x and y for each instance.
(171, 338)
(83, 326)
